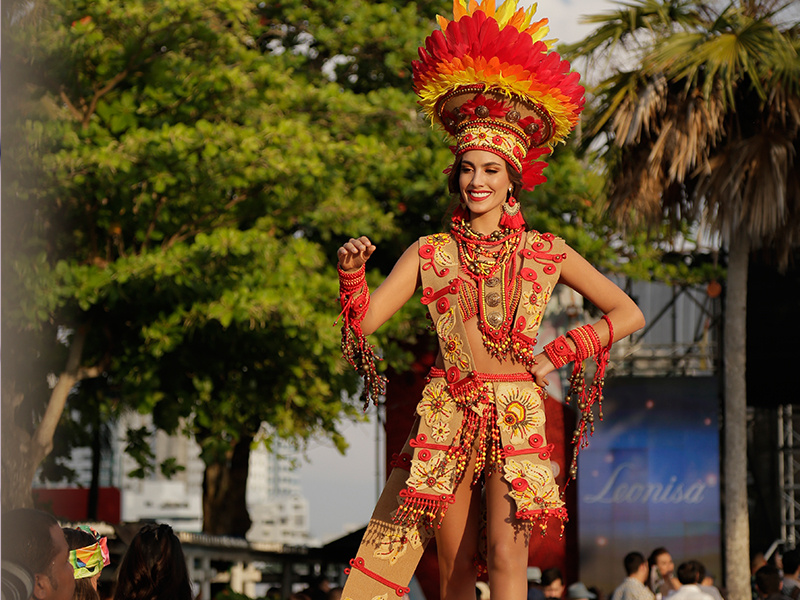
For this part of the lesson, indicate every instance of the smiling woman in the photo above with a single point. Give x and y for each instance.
(478, 452)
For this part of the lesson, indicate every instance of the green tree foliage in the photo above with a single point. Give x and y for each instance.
(180, 174)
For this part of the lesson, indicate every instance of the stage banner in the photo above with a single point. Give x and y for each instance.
(650, 477)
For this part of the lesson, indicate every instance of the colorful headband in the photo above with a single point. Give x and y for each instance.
(490, 81)
(90, 560)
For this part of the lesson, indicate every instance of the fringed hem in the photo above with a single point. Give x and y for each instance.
(425, 509)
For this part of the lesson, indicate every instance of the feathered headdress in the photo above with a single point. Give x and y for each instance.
(491, 81)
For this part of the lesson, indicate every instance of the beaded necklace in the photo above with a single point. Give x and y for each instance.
(490, 261)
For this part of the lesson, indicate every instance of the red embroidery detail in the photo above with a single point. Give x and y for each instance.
(453, 374)
(520, 326)
(537, 447)
(427, 252)
(520, 484)
(358, 563)
(421, 441)
(429, 295)
(401, 461)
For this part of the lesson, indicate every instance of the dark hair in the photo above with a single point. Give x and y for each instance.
(550, 575)
(78, 538)
(154, 567)
(791, 561)
(768, 579)
(687, 573)
(632, 561)
(27, 539)
(701, 569)
(655, 554)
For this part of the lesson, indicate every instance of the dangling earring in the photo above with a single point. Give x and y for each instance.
(512, 217)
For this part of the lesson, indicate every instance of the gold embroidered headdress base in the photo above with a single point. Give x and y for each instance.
(490, 81)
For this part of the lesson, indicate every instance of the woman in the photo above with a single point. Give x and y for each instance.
(478, 449)
(88, 554)
(154, 567)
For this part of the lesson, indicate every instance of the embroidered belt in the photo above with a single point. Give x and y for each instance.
(485, 377)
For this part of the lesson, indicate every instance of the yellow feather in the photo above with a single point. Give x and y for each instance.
(505, 11)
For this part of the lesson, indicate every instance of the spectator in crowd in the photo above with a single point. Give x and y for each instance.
(553, 583)
(578, 591)
(688, 578)
(662, 573)
(769, 583)
(154, 567)
(335, 593)
(535, 591)
(318, 588)
(791, 573)
(705, 583)
(757, 560)
(638, 571)
(88, 554)
(33, 540)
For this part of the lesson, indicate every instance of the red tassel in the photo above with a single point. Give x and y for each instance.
(515, 222)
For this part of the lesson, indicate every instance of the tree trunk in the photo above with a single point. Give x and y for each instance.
(24, 451)
(225, 492)
(737, 529)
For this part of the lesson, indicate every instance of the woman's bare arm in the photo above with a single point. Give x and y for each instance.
(581, 276)
(395, 290)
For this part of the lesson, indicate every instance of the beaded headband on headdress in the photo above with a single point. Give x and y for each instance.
(492, 83)
(90, 560)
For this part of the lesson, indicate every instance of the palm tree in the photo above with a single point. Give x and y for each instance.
(697, 118)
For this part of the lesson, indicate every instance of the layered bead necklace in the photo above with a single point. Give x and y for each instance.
(490, 261)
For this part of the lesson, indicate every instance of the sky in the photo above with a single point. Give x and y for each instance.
(341, 490)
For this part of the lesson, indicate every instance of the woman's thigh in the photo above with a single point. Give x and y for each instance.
(507, 536)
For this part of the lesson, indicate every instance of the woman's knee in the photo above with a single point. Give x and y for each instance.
(507, 555)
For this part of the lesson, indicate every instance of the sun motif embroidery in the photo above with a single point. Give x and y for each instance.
(519, 410)
(440, 432)
(394, 545)
(533, 486)
(437, 240)
(534, 304)
(436, 405)
(434, 474)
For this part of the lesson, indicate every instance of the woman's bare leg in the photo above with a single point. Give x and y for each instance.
(507, 542)
(457, 541)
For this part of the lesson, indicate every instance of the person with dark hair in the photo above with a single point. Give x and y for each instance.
(791, 573)
(489, 81)
(704, 582)
(553, 583)
(88, 554)
(662, 573)
(154, 567)
(637, 571)
(769, 583)
(33, 540)
(688, 577)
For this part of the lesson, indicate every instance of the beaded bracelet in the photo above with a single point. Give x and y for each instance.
(587, 342)
(351, 280)
(559, 352)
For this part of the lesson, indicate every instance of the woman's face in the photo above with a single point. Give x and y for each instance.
(483, 182)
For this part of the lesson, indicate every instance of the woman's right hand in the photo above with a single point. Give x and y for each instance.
(355, 253)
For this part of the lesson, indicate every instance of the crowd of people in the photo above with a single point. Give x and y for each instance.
(42, 561)
(657, 578)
